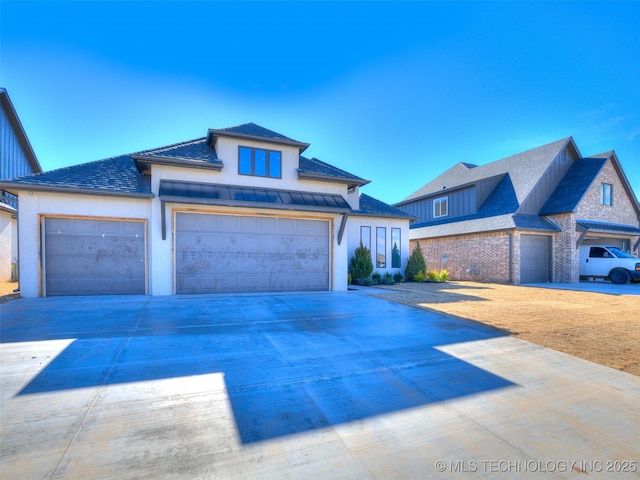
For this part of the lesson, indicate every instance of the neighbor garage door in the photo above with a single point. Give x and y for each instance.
(534, 259)
(234, 253)
(94, 257)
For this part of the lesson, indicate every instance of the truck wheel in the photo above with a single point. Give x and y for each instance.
(619, 276)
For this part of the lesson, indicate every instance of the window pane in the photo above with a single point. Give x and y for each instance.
(260, 162)
(365, 237)
(244, 161)
(274, 165)
(381, 247)
(395, 248)
(440, 207)
(605, 194)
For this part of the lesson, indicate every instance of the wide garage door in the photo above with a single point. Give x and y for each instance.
(235, 253)
(94, 257)
(534, 259)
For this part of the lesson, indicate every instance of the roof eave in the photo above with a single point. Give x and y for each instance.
(351, 182)
(359, 213)
(144, 160)
(15, 188)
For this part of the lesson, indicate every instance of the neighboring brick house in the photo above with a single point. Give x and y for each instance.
(17, 159)
(521, 219)
(239, 210)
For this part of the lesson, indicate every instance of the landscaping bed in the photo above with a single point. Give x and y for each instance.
(601, 328)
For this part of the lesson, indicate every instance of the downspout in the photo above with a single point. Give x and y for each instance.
(510, 235)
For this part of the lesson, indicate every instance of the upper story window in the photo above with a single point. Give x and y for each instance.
(259, 162)
(441, 207)
(606, 197)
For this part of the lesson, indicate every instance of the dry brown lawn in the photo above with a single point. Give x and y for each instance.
(597, 327)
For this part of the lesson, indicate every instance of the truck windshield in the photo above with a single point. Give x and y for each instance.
(619, 253)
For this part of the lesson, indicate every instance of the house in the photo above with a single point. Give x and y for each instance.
(239, 210)
(522, 219)
(17, 158)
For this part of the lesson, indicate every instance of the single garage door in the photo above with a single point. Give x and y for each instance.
(235, 253)
(534, 259)
(94, 257)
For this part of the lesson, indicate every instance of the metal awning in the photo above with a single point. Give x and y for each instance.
(586, 226)
(245, 196)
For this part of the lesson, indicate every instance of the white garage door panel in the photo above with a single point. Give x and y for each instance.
(227, 253)
(94, 257)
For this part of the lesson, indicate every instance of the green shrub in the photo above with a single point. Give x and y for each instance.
(387, 279)
(365, 282)
(360, 265)
(397, 277)
(438, 276)
(376, 277)
(415, 264)
(419, 277)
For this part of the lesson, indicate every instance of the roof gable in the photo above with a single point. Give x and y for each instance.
(14, 120)
(525, 170)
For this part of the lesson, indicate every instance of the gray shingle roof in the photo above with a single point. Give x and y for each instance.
(525, 169)
(572, 187)
(122, 175)
(115, 176)
(256, 132)
(609, 227)
(374, 207)
(312, 168)
(196, 150)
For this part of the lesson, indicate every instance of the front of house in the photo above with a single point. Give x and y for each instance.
(522, 219)
(240, 210)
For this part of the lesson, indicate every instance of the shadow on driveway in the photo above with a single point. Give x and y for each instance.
(291, 363)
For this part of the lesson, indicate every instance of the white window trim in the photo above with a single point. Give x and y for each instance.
(440, 201)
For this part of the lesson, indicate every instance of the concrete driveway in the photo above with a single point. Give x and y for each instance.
(310, 386)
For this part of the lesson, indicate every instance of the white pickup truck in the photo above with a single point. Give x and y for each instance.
(602, 261)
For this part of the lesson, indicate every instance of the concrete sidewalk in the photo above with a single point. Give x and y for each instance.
(311, 386)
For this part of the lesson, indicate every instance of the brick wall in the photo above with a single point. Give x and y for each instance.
(566, 256)
(478, 257)
(621, 210)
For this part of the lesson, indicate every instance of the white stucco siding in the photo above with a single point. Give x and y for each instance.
(7, 251)
(353, 239)
(35, 205)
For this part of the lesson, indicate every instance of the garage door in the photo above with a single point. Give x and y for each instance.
(229, 253)
(534, 259)
(94, 257)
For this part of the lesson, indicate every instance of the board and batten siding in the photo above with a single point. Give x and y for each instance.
(460, 202)
(14, 159)
(549, 181)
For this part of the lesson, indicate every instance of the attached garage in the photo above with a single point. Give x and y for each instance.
(94, 257)
(535, 259)
(218, 253)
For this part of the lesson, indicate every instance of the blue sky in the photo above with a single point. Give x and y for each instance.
(395, 92)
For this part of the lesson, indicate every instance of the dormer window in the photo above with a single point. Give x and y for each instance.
(441, 207)
(259, 162)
